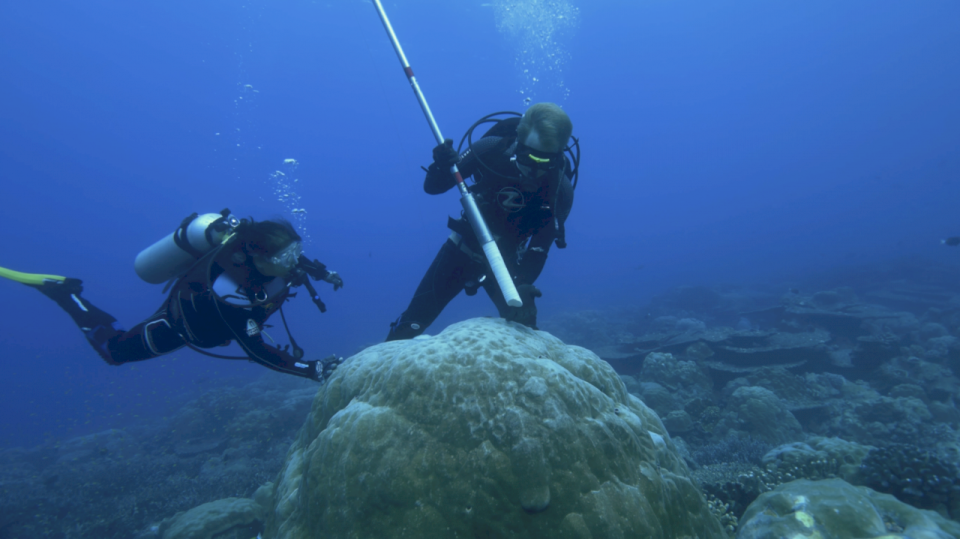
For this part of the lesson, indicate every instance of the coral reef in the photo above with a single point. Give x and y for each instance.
(121, 483)
(913, 476)
(735, 392)
(748, 450)
(488, 429)
(833, 508)
(215, 519)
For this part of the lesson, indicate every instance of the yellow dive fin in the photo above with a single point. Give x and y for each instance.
(33, 279)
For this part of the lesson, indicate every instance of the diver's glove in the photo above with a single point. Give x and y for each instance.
(334, 279)
(526, 314)
(444, 156)
(326, 366)
(314, 268)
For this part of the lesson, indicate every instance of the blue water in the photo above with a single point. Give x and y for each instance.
(723, 142)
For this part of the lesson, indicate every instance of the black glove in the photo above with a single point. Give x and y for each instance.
(314, 268)
(326, 366)
(527, 314)
(444, 156)
(334, 279)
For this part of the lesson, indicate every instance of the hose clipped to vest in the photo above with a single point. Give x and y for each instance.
(490, 249)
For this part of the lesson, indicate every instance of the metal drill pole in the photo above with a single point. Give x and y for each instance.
(472, 212)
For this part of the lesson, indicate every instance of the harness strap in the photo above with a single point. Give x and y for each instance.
(457, 240)
(297, 351)
(561, 238)
(180, 236)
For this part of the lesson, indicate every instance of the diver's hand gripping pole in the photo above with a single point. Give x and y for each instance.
(466, 198)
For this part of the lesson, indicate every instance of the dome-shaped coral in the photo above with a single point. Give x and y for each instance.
(488, 429)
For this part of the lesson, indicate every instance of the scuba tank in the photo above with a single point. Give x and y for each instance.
(172, 255)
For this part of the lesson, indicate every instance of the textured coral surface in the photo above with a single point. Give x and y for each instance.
(834, 509)
(488, 429)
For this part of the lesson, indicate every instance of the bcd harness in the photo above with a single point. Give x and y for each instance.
(506, 129)
(257, 294)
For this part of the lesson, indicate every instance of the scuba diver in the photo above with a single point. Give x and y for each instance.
(523, 185)
(226, 277)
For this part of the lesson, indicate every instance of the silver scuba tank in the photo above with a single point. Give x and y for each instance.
(172, 255)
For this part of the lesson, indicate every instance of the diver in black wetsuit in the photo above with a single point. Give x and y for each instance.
(524, 188)
(226, 295)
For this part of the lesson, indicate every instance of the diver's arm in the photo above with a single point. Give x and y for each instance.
(273, 357)
(314, 268)
(536, 254)
(319, 272)
(564, 205)
(439, 180)
(564, 198)
(238, 320)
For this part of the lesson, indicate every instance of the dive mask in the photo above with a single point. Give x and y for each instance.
(289, 256)
(535, 163)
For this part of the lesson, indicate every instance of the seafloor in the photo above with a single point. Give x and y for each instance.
(850, 375)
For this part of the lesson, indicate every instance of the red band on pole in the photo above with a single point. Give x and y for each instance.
(458, 177)
(409, 72)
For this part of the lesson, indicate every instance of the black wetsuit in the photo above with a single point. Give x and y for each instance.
(524, 217)
(194, 315)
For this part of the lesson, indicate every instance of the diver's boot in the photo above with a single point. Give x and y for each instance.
(527, 314)
(97, 326)
(404, 329)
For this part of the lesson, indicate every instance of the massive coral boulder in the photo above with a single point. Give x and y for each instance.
(488, 429)
(757, 411)
(835, 509)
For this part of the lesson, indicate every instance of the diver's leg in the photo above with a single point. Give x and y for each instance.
(148, 339)
(97, 326)
(492, 288)
(527, 314)
(116, 346)
(444, 279)
(493, 291)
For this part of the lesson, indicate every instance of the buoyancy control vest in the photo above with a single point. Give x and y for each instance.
(511, 207)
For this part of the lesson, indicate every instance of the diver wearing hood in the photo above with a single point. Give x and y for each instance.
(227, 294)
(523, 185)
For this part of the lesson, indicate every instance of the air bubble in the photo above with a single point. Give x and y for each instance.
(283, 190)
(538, 29)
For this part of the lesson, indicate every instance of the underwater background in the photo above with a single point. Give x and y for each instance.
(756, 144)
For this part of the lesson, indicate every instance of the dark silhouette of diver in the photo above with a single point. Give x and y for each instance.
(224, 294)
(523, 185)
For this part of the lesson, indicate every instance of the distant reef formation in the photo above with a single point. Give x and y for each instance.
(742, 377)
